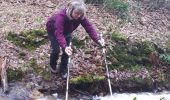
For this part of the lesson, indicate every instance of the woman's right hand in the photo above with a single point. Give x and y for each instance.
(68, 51)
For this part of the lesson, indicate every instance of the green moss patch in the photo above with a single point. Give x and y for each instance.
(15, 75)
(30, 39)
(168, 46)
(165, 58)
(116, 36)
(78, 43)
(32, 67)
(122, 56)
(22, 55)
(95, 1)
(86, 79)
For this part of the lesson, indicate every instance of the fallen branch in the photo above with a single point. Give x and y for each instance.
(4, 75)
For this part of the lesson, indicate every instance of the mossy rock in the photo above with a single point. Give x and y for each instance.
(30, 39)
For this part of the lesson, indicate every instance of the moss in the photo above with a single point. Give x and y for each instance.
(124, 57)
(134, 98)
(78, 43)
(32, 67)
(118, 56)
(95, 1)
(88, 51)
(46, 75)
(118, 37)
(160, 76)
(37, 69)
(30, 39)
(147, 81)
(162, 98)
(165, 58)
(14, 74)
(167, 77)
(86, 79)
(134, 68)
(167, 45)
(22, 55)
(145, 47)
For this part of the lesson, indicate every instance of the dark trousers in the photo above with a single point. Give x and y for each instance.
(54, 56)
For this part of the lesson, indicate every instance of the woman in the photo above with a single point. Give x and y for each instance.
(59, 28)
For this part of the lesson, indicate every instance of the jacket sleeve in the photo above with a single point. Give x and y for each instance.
(59, 29)
(89, 29)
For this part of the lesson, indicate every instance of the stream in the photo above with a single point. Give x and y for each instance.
(137, 96)
(20, 91)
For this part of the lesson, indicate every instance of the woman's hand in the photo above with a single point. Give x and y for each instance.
(101, 42)
(68, 51)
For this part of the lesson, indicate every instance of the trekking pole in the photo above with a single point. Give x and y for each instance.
(68, 72)
(107, 70)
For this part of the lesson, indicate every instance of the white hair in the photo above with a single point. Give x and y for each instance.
(77, 5)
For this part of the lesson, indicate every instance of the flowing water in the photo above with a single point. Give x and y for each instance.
(137, 96)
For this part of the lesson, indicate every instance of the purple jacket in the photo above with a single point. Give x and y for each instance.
(63, 25)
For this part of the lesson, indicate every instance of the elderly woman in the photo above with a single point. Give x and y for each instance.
(59, 28)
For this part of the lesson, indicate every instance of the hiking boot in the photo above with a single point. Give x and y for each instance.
(53, 69)
(63, 73)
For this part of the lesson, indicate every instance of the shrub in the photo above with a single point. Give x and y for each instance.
(119, 7)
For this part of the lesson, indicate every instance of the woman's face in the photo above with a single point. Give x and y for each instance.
(76, 14)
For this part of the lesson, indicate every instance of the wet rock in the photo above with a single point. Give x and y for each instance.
(36, 95)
